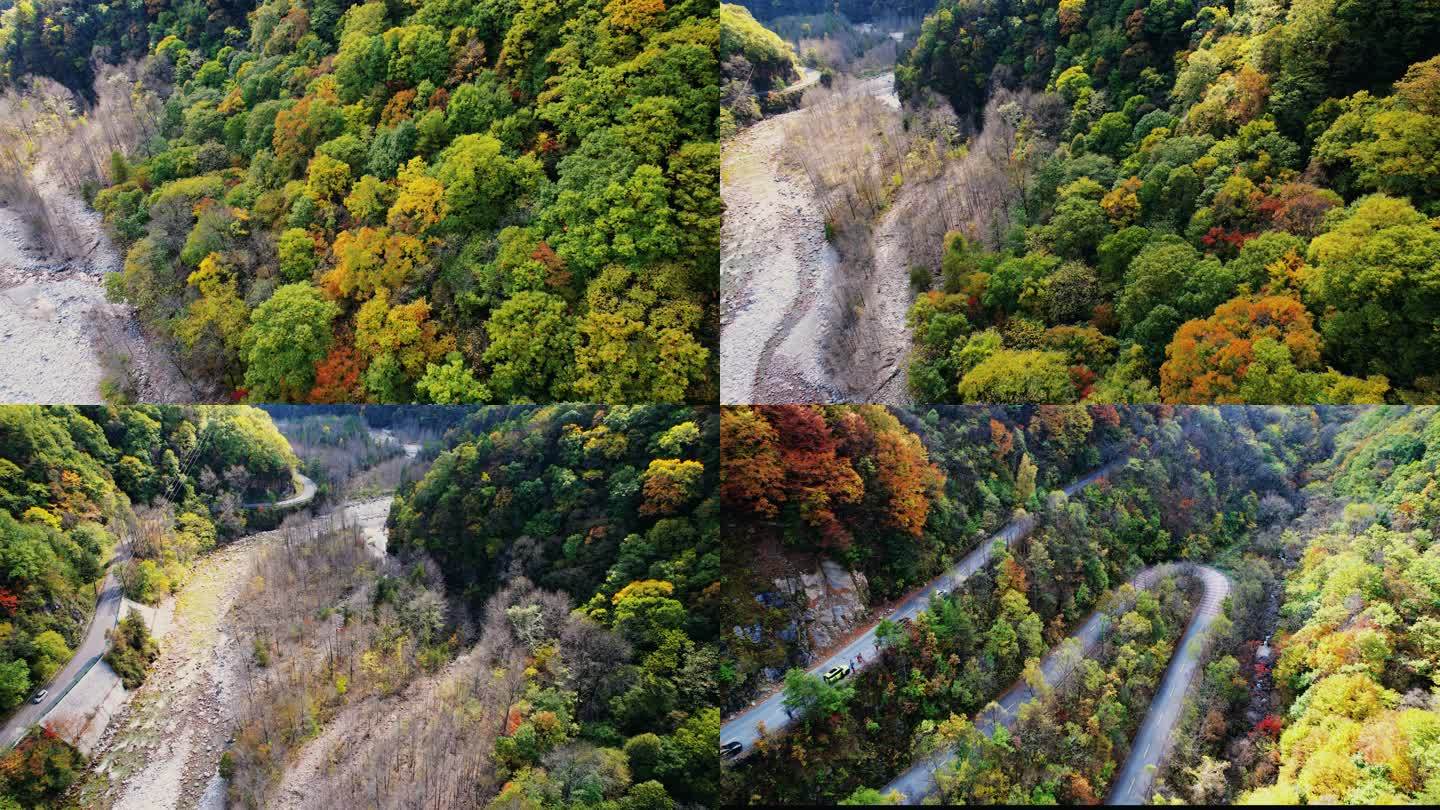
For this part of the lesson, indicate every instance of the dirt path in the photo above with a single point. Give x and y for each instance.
(778, 277)
(59, 337)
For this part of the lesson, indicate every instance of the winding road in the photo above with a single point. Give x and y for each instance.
(1151, 742)
(303, 495)
(92, 648)
(769, 714)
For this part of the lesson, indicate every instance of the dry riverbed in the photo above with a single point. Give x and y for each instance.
(60, 340)
(162, 749)
(778, 280)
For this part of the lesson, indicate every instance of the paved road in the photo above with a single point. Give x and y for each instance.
(808, 77)
(745, 726)
(92, 647)
(94, 644)
(304, 495)
(1150, 744)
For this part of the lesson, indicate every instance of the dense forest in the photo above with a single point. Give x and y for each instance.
(409, 202)
(60, 39)
(1213, 202)
(1356, 720)
(607, 516)
(1195, 484)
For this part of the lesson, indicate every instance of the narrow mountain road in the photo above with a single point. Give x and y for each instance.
(92, 647)
(1152, 741)
(769, 714)
(94, 644)
(304, 495)
(808, 78)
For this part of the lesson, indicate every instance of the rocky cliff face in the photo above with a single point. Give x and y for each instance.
(825, 603)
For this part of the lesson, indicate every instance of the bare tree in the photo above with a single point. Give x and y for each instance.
(53, 147)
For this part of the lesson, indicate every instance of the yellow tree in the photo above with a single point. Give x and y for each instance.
(373, 259)
(420, 205)
(219, 307)
(399, 341)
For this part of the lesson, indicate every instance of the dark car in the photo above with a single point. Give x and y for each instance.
(731, 749)
(903, 620)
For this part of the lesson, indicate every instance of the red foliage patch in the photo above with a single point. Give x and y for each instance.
(1270, 726)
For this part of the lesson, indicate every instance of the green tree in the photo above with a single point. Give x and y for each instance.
(480, 182)
(870, 797)
(1079, 223)
(531, 349)
(811, 697)
(288, 335)
(14, 683)
(451, 383)
(51, 653)
(644, 611)
(297, 256)
(1377, 278)
(145, 582)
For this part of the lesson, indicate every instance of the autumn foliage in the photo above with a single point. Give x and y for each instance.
(821, 462)
(1209, 358)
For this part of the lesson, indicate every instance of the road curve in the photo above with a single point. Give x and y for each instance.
(92, 647)
(745, 727)
(304, 495)
(1151, 742)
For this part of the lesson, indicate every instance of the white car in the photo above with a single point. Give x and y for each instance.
(39, 696)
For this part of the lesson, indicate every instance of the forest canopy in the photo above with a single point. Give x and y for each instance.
(614, 511)
(1233, 203)
(411, 202)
